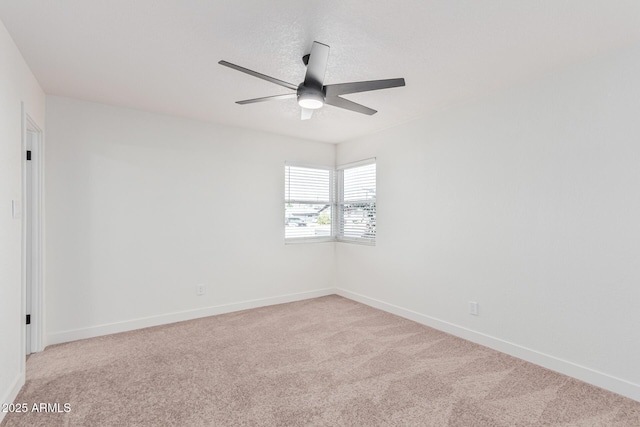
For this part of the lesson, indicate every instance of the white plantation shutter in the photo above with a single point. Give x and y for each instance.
(313, 212)
(357, 203)
(309, 202)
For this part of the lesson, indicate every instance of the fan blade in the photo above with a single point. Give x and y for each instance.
(305, 113)
(259, 75)
(336, 101)
(267, 98)
(344, 88)
(317, 65)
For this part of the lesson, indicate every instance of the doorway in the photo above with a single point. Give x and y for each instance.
(32, 224)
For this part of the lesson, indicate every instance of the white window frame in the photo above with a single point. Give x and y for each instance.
(336, 201)
(339, 224)
(331, 201)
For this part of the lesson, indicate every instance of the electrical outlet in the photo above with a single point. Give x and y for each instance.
(200, 290)
(473, 308)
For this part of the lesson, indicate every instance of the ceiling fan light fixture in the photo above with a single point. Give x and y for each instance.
(310, 100)
(312, 93)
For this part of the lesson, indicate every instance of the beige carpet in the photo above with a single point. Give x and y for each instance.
(327, 361)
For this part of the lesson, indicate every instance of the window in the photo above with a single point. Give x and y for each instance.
(323, 204)
(309, 203)
(357, 203)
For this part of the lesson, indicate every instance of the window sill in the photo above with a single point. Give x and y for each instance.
(302, 240)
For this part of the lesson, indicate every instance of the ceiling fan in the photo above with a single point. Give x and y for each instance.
(312, 93)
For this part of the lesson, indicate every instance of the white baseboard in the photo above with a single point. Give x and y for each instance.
(600, 379)
(12, 393)
(145, 322)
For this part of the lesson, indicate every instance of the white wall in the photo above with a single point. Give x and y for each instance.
(17, 84)
(142, 207)
(528, 202)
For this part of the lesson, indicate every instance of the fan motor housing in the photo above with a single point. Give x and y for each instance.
(310, 97)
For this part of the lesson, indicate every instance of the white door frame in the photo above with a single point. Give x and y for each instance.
(34, 206)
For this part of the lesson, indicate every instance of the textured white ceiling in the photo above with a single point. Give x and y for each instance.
(162, 56)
